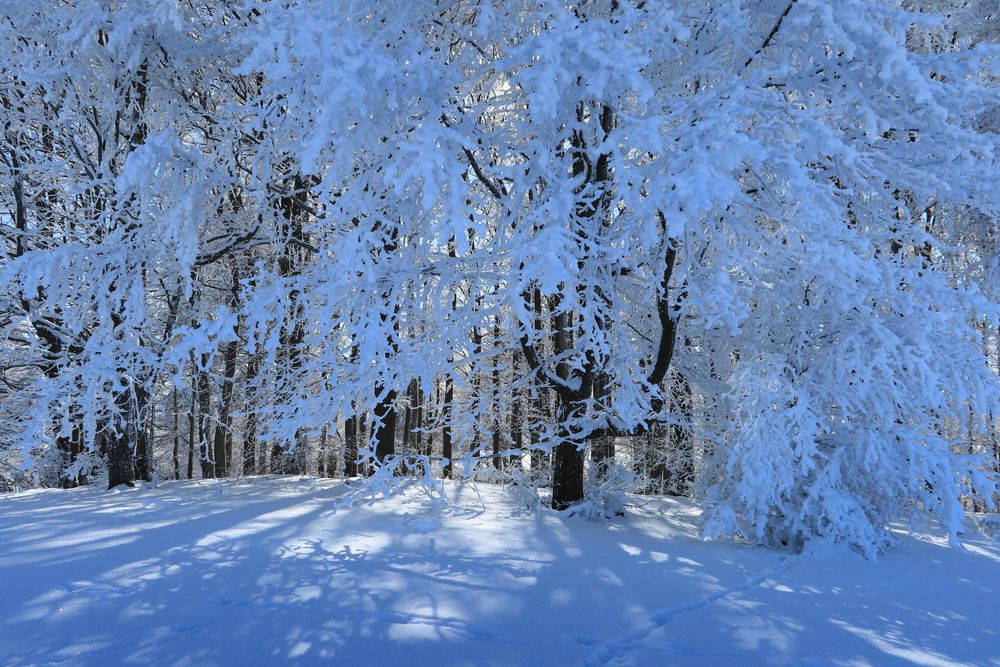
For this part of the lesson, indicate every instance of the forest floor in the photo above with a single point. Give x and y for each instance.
(270, 571)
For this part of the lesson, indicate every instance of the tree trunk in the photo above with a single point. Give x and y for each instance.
(567, 473)
(121, 467)
(224, 424)
(422, 447)
(496, 445)
(71, 447)
(251, 463)
(351, 446)
(327, 457)
(540, 402)
(476, 388)
(407, 418)
(294, 210)
(120, 445)
(191, 430)
(277, 464)
(413, 422)
(143, 463)
(149, 438)
(365, 436)
(517, 436)
(385, 424)
(567, 459)
(203, 391)
(681, 476)
(128, 451)
(175, 459)
(446, 416)
(602, 447)
(495, 379)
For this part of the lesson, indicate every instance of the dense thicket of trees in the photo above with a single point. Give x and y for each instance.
(741, 249)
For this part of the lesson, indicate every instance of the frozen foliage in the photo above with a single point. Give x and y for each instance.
(315, 207)
(776, 165)
(606, 493)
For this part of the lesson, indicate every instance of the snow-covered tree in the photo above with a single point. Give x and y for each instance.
(733, 234)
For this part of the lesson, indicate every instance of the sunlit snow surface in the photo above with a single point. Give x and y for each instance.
(265, 571)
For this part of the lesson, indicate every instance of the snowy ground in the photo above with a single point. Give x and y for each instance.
(262, 571)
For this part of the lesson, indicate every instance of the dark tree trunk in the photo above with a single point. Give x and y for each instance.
(252, 465)
(143, 462)
(996, 429)
(517, 436)
(250, 445)
(385, 424)
(602, 447)
(422, 447)
(476, 386)
(567, 458)
(364, 436)
(351, 446)
(175, 458)
(224, 424)
(121, 467)
(408, 418)
(680, 478)
(352, 433)
(327, 457)
(446, 416)
(294, 209)
(275, 460)
(495, 380)
(229, 444)
(203, 389)
(567, 475)
(76, 446)
(70, 447)
(128, 452)
(541, 402)
(128, 449)
(413, 419)
(496, 446)
(149, 439)
(192, 416)
(655, 460)
(120, 443)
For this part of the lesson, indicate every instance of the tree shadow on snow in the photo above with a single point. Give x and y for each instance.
(266, 573)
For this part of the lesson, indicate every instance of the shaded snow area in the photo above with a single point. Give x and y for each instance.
(269, 571)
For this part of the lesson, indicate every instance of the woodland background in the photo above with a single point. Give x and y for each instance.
(741, 250)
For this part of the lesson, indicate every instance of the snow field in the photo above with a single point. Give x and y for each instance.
(270, 571)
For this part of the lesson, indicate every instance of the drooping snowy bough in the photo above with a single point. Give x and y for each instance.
(715, 223)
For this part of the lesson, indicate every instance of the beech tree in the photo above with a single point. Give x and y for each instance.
(745, 247)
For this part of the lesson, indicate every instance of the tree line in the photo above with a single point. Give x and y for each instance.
(743, 251)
